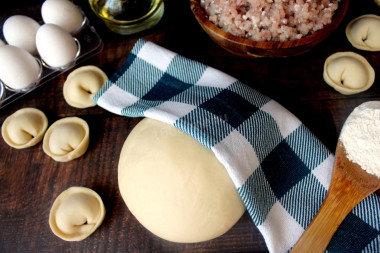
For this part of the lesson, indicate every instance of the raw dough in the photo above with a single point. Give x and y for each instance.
(82, 84)
(67, 139)
(363, 32)
(24, 128)
(76, 213)
(174, 186)
(348, 72)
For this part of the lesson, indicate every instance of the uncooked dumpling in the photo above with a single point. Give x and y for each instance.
(76, 213)
(363, 32)
(24, 128)
(174, 186)
(82, 84)
(67, 139)
(348, 73)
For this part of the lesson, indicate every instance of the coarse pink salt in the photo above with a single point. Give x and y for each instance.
(270, 20)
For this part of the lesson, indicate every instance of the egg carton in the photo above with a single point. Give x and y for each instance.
(89, 44)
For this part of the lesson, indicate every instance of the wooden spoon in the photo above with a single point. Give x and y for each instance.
(350, 184)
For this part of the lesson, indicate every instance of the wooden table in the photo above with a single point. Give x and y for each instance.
(30, 180)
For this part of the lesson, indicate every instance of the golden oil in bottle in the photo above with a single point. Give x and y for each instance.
(128, 16)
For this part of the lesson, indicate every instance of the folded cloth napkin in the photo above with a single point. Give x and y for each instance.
(281, 170)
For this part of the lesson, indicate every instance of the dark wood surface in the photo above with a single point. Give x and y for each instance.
(30, 180)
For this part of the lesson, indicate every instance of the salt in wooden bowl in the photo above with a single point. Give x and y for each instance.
(252, 49)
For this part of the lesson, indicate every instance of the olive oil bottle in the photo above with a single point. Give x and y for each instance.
(128, 16)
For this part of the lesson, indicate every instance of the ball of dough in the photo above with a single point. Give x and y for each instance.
(81, 86)
(24, 128)
(348, 73)
(67, 139)
(174, 186)
(76, 213)
(363, 32)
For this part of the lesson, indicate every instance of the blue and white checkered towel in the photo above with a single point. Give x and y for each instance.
(280, 169)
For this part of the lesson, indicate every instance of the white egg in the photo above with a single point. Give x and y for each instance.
(62, 13)
(55, 45)
(18, 68)
(20, 31)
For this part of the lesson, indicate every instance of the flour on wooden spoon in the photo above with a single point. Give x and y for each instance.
(361, 137)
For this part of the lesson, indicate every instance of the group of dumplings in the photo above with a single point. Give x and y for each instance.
(349, 72)
(65, 140)
(78, 211)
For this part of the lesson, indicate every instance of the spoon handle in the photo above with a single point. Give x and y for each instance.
(343, 195)
(320, 231)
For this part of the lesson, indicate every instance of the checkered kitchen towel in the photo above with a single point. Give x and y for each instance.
(280, 169)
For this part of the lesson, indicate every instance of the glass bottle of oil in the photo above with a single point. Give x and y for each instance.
(128, 16)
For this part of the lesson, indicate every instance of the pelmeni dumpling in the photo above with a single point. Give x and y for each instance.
(57, 48)
(62, 13)
(24, 128)
(363, 32)
(82, 84)
(67, 139)
(20, 31)
(348, 73)
(76, 213)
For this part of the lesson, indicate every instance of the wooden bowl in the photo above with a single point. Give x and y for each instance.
(250, 48)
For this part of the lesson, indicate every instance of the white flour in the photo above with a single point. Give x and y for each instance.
(361, 137)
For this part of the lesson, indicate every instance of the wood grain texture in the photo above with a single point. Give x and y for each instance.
(30, 180)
